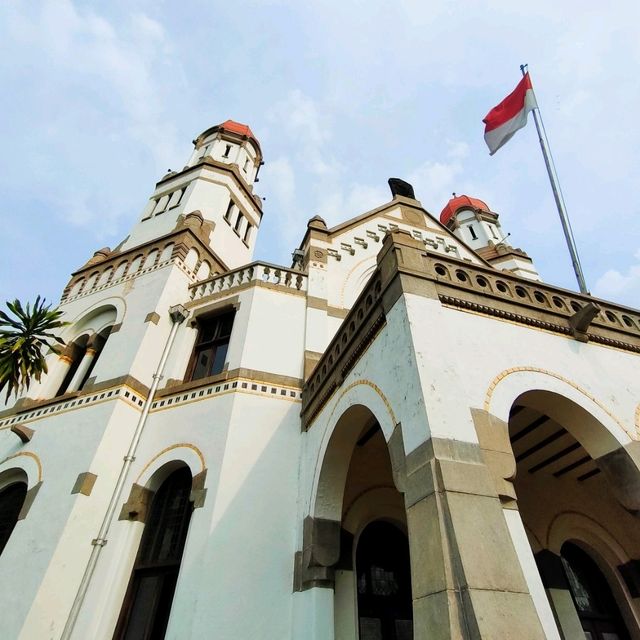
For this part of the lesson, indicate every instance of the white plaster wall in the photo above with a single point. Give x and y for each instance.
(447, 340)
(49, 545)
(274, 338)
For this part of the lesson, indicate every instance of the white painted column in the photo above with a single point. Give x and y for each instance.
(83, 367)
(531, 574)
(313, 614)
(55, 377)
(346, 615)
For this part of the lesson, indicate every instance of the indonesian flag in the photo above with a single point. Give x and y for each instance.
(509, 116)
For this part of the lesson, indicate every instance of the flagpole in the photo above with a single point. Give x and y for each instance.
(557, 193)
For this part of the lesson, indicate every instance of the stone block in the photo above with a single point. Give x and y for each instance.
(505, 615)
(463, 477)
(486, 551)
(84, 483)
(493, 433)
(437, 617)
(430, 571)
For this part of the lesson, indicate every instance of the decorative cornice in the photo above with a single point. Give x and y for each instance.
(186, 235)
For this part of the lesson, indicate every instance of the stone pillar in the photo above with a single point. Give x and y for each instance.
(466, 577)
(556, 585)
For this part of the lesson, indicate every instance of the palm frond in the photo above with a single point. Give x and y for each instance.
(23, 339)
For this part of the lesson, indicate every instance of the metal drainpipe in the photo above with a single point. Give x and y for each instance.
(178, 315)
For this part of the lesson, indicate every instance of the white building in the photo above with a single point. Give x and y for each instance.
(404, 434)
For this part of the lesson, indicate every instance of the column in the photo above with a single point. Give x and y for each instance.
(83, 368)
(57, 373)
(466, 576)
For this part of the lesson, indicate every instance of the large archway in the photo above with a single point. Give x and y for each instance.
(564, 479)
(364, 544)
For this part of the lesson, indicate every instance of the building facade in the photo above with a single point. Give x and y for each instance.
(404, 434)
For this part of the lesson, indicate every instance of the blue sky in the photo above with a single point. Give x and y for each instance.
(100, 99)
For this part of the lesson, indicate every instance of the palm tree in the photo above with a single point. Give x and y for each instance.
(23, 340)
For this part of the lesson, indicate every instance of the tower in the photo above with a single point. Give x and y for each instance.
(217, 182)
(198, 222)
(471, 220)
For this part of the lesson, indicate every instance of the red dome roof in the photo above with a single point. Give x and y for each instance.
(236, 127)
(461, 202)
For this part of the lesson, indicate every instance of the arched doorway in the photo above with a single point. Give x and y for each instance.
(566, 493)
(597, 609)
(383, 576)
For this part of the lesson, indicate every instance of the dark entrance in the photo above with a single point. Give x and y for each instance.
(384, 583)
(595, 604)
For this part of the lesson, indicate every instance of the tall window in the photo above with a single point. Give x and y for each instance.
(211, 347)
(384, 583)
(11, 501)
(146, 608)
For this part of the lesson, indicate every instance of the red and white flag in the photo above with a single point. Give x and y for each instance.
(510, 115)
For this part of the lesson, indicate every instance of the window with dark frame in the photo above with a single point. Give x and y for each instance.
(211, 346)
(147, 604)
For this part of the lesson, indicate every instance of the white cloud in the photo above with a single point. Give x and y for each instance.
(621, 287)
(91, 68)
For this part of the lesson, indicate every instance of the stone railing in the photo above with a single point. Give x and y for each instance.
(504, 295)
(253, 273)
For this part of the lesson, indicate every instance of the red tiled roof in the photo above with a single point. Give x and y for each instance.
(236, 127)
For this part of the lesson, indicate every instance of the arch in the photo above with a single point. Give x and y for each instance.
(191, 259)
(91, 281)
(86, 319)
(150, 260)
(24, 461)
(360, 404)
(120, 270)
(77, 287)
(167, 252)
(181, 453)
(514, 383)
(378, 503)
(104, 277)
(574, 525)
(135, 265)
(13, 475)
(203, 270)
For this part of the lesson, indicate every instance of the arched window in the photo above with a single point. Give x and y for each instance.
(594, 602)
(11, 501)
(384, 583)
(146, 608)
